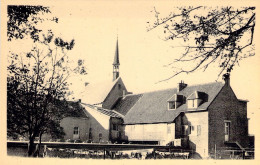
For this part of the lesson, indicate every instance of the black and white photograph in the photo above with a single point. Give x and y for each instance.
(129, 80)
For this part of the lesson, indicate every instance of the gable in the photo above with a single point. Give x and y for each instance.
(117, 90)
(225, 97)
(96, 93)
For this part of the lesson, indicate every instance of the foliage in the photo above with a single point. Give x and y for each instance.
(22, 21)
(37, 81)
(222, 35)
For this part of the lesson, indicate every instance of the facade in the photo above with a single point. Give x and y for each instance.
(203, 117)
(99, 125)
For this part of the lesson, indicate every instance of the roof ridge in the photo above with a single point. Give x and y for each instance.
(159, 90)
(132, 94)
(176, 88)
(217, 82)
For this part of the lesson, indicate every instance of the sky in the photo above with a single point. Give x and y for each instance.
(95, 28)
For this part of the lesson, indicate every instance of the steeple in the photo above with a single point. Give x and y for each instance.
(116, 63)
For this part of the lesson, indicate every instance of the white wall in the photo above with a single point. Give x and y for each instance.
(100, 117)
(197, 103)
(99, 124)
(151, 132)
(199, 142)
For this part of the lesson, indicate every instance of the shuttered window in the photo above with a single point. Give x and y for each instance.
(198, 130)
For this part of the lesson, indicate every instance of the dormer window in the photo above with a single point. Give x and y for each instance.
(175, 101)
(171, 105)
(196, 99)
(191, 103)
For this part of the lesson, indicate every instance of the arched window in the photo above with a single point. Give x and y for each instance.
(90, 134)
(100, 137)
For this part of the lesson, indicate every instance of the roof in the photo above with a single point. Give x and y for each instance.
(70, 109)
(124, 104)
(116, 58)
(152, 107)
(104, 111)
(96, 93)
(175, 97)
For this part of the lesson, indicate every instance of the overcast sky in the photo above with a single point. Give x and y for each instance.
(95, 27)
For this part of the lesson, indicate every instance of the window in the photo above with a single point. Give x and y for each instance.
(227, 130)
(115, 127)
(191, 129)
(90, 134)
(171, 104)
(76, 131)
(100, 137)
(198, 130)
(119, 86)
(185, 130)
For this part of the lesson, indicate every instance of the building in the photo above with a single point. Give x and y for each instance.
(202, 117)
(94, 124)
(205, 117)
(97, 122)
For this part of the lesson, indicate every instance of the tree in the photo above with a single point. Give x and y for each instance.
(222, 35)
(22, 21)
(37, 84)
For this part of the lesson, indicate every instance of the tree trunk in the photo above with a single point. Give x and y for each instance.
(31, 147)
(40, 142)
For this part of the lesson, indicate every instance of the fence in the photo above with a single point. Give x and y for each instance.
(103, 151)
(124, 151)
(233, 153)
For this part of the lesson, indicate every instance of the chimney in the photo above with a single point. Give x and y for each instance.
(226, 78)
(181, 86)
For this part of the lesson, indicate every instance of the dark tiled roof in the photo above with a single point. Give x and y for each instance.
(69, 109)
(104, 111)
(152, 107)
(123, 105)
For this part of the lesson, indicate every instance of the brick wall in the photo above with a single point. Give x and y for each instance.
(227, 107)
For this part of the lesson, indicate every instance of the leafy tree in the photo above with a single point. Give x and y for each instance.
(22, 21)
(222, 35)
(37, 82)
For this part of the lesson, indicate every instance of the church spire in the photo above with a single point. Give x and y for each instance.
(116, 63)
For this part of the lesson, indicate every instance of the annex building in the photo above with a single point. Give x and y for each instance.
(203, 117)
